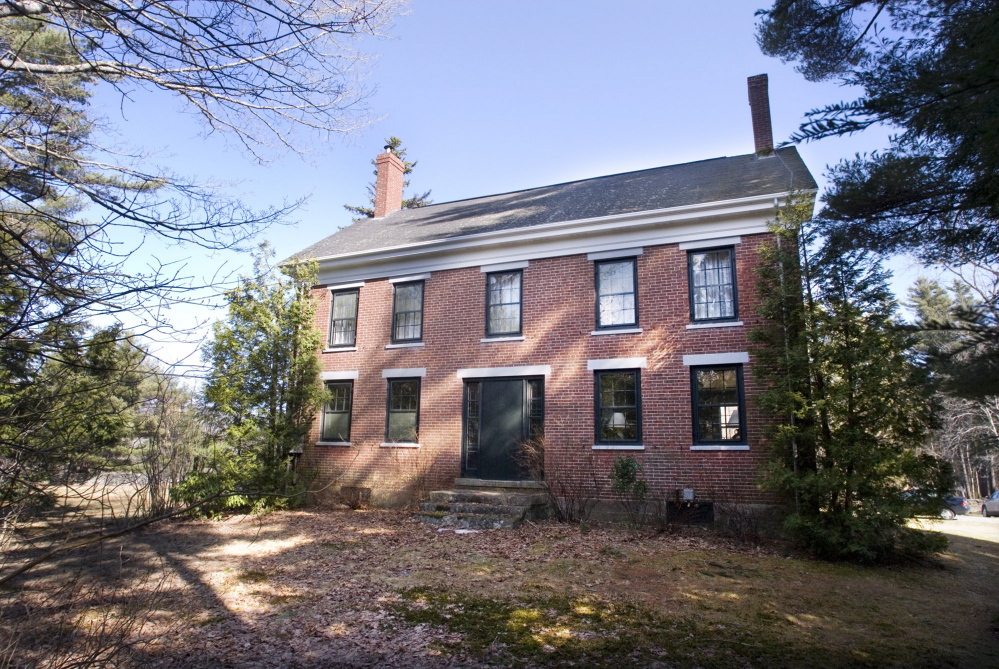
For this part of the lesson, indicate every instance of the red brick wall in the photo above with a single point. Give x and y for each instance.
(558, 316)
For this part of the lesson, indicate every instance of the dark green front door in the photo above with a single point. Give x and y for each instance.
(500, 414)
(503, 429)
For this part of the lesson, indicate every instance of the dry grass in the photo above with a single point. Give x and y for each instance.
(376, 588)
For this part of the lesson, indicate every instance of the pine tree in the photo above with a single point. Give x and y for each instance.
(263, 386)
(851, 407)
(414, 201)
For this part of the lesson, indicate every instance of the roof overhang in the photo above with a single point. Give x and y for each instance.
(709, 220)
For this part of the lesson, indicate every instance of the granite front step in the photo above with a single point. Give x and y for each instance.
(471, 521)
(473, 507)
(503, 497)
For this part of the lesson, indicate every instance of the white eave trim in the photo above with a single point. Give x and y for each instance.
(616, 363)
(339, 376)
(404, 372)
(715, 359)
(710, 243)
(745, 205)
(488, 372)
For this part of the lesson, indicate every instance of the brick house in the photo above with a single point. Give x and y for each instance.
(609, 314)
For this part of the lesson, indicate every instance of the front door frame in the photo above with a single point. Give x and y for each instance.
(475, 472)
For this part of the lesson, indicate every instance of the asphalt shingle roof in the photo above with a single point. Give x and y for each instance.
(699, 182)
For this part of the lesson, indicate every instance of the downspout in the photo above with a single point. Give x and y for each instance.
(787, 357)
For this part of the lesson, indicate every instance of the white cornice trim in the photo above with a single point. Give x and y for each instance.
(489, 372)
(339, 376)
(616, 363)
(738, 205)
(728, 218)
(715, 359)
(709, 243)
(404, 372)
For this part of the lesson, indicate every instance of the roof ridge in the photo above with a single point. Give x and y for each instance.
(575, 181)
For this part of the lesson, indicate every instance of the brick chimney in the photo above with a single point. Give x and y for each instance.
(759, 105)
(388, 183)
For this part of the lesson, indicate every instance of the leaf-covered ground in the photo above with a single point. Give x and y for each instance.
(376, 588)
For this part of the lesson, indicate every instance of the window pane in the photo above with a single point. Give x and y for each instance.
(336, 413)
(718, 405)
(503, 303)
(617, 413)
(616, 293)
(343, 319)
(402, 426)
(712, 285)
(336, 427)
(408, 315)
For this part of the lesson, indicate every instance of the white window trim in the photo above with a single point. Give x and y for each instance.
(398, 444)
(411, 277)
(618, 447)
(726, 324)
(345, 286)
(619, 253)
(710, 243)
(504, 266)
(404, 372)
(340, 350)
(339, 376)
(614, 332)
(412, 344)
(488, 372)
(616, 363)
(704, 359)
(720, 447)
(487, 340)
(334, 443)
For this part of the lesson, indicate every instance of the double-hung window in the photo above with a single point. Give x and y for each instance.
(617, 293)
(618, 406)
(343, 318)
(719, 405)
(407, 312)
(336, 412)
(503, 303)
(711, 278)
(402, 424)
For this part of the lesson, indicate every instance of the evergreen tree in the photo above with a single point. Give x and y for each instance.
(927, 68)
(263, 386)
(852, 407)
(412, 202)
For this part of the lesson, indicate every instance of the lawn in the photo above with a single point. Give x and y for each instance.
(370, 588)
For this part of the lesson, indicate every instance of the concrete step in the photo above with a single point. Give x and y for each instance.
(471, 521)
(490, 496)
(473, 507)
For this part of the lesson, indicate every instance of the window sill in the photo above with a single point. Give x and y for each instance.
(340, 349)
(720, 324)
(618, 447)
(334, 443)
(414, 344)
(720, 447)
(398, 444)
(489, 340)
(621, 331)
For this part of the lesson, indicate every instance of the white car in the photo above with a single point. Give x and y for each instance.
(990, 507)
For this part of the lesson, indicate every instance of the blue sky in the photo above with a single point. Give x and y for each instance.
(493, 97)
